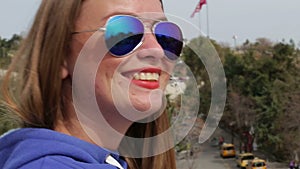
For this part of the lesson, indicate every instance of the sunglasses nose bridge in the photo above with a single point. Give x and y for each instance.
(149, 35)
(147, 28)
(151, 44)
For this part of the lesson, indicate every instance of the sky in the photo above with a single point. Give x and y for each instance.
(245, 19)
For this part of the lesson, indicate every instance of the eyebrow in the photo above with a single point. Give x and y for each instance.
(124, 13)
(154, 19)
(136, 15)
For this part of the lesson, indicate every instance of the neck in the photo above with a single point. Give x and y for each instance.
(100, 134)
(92, 127)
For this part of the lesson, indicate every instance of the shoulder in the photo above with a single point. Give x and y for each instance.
(45, 149)
(61, 162)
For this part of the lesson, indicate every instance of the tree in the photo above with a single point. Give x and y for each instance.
(262, 79)
(7, 49)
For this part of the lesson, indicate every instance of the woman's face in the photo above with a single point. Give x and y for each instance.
(136, 80)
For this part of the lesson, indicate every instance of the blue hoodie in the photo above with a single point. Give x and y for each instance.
(30, 148)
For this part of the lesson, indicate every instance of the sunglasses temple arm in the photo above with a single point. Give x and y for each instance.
(99, 29)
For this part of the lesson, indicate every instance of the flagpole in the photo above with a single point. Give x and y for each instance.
(199, 23)
(207, 19)
(197, 9)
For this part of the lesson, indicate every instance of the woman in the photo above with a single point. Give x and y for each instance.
(52, 134)
(292, 164)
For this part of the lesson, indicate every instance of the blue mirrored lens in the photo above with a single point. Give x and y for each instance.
(123, 34)
(169, 36)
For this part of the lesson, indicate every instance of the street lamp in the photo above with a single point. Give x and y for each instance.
(234, 37)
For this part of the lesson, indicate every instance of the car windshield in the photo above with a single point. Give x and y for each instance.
(250, 157)
(258, 164)
(229, 148)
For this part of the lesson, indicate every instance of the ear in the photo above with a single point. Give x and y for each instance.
(64, 70)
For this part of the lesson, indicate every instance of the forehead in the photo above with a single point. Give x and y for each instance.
(102, 9)
(94, 13)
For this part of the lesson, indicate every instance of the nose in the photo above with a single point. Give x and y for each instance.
(150, 48)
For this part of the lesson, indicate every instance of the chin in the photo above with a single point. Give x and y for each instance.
(152, 106)
(146, 107)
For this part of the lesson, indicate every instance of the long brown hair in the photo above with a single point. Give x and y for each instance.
(164, 160)
(38, 100)
(38, 65)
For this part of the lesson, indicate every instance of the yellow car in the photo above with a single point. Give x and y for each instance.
(257, 164)
(243, 159)
(227, 150)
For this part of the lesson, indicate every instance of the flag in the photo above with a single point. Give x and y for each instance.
(198, 7)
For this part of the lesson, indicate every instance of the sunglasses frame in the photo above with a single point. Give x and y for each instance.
(145, 26)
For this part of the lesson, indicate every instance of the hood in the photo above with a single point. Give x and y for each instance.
(43, 148)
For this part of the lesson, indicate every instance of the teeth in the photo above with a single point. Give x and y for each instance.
(146, 76)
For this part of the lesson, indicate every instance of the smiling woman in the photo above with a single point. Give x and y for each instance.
(68, 55)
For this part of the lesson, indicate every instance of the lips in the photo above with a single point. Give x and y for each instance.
(146, 78)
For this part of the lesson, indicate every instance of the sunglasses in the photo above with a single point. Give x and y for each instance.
(125, 33)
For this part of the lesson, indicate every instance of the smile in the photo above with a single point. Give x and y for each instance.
(146, 78)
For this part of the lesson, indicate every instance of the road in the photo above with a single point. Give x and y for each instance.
(209, 158)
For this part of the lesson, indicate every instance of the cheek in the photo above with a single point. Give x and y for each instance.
(103, 86)
(165, 80)
(106, 72)
(76, 46)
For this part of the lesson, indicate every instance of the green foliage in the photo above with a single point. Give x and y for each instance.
(268, 74)
(7, 50)
(6, 123)
(195, 54)
(263, 85)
